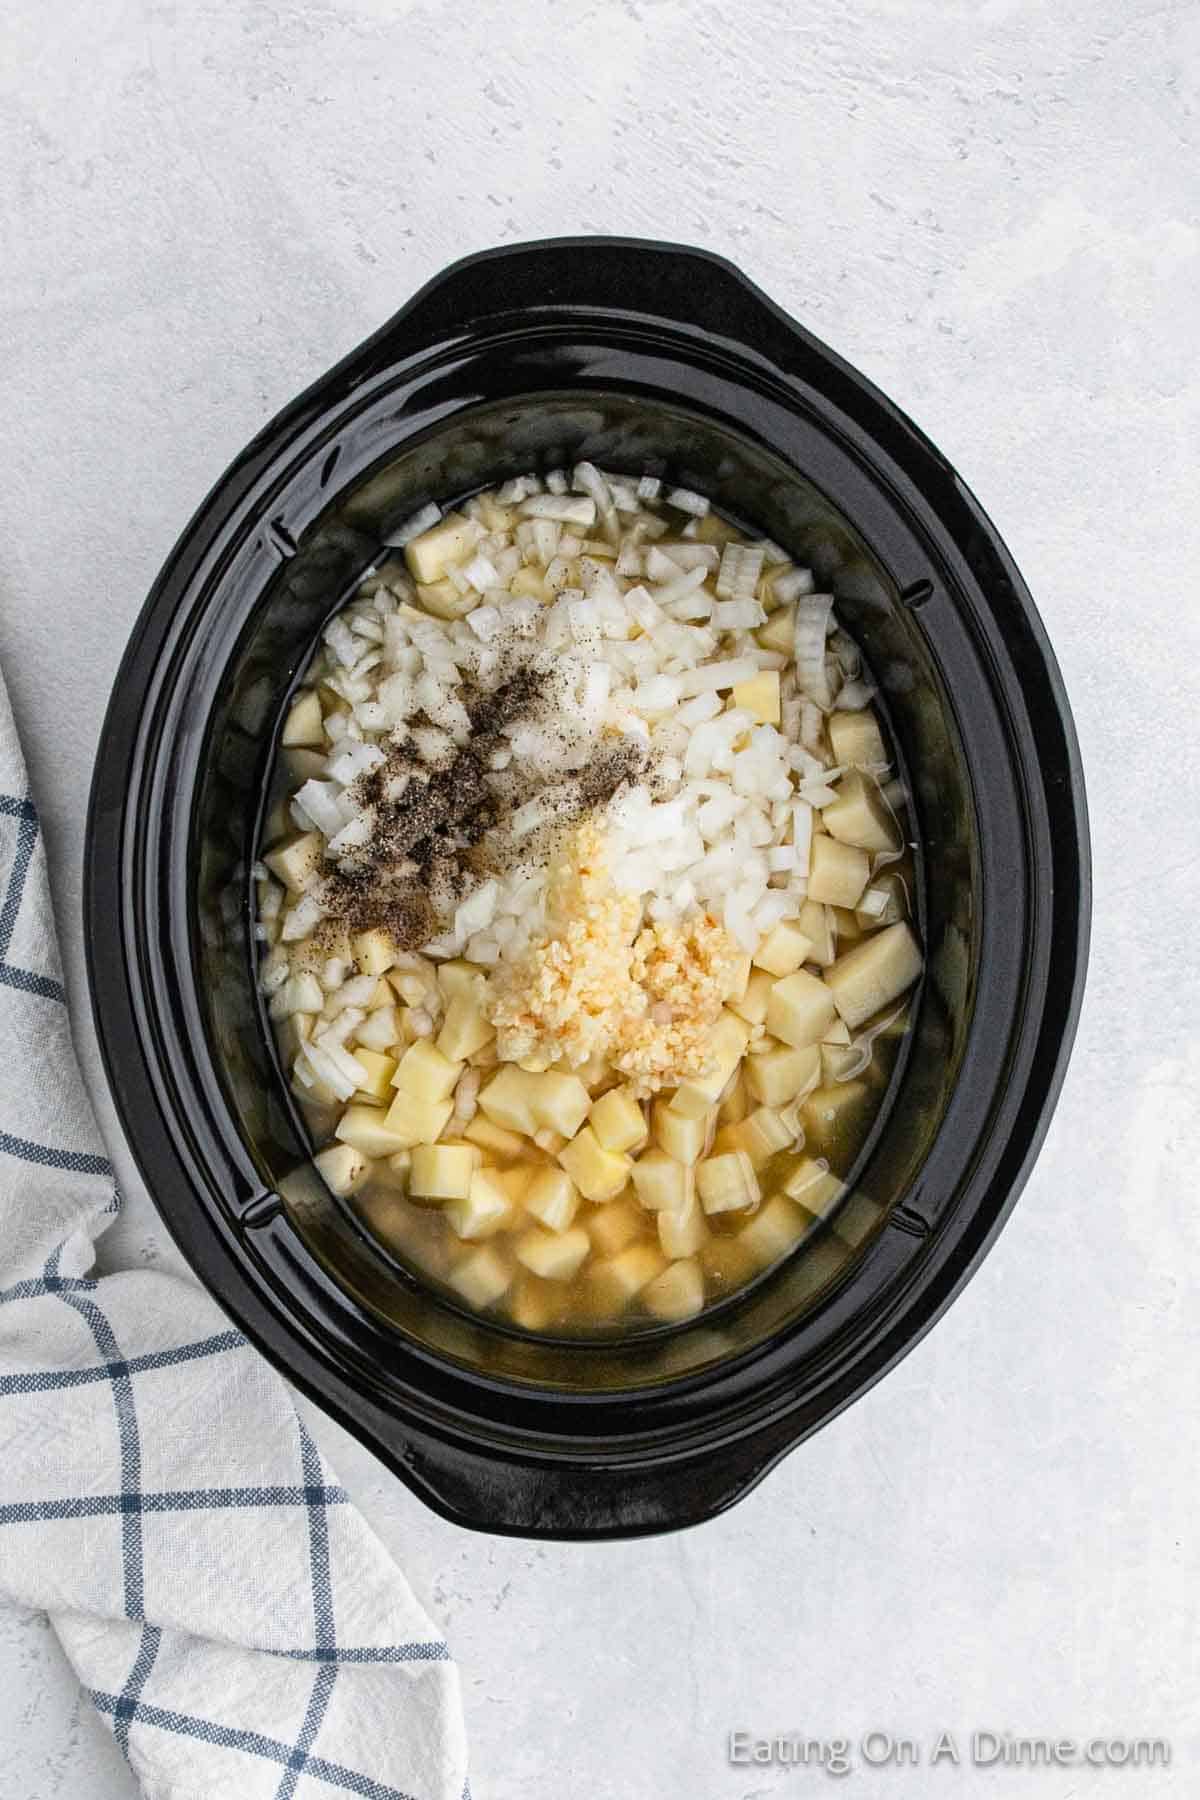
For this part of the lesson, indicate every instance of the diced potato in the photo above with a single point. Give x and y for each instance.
(393, 1172)
(304, 723)
(682, 1232)
(367, 1129)
(294, 861)
(417, 1121)
(425, 1073)
(734, 1103)
(444, 601)
(443, 1171)
(890, 885)
(461, 977)
(777, 1076)
(496, 517)
(779, 632)
(836, 1032)
(753, 1004)
(837, 873)
(342, 1167)
(484, 1210)
(829, 1112)
(616, 1280)
(614, 1227)
(738, 978)
(374, 951)
(618, 1120)
(682, 1138)
(496, 1140)
(531, 1302)
(727, 1045)
(430, 555)
(554, 1255)
(507, 1099)
(661, 1183)
(856, 740)
(813, 1186)
(836, 1062)
(481, 1277)
(515, 1182)
(559, 1102)
(774, 1230)
(678, 1293)
(847, 927)
(531, 582)
(761, 1135)
(464, 1029)
(687, 1104)
(552, 1197)
(860, 815)
(599, 1174)
(783, 949)
(549, 1141)
(874, 973)
(799, 1009)
(816, 922)
(760, 695)
(727, 1262)
(380, 1070)
(727, 1182)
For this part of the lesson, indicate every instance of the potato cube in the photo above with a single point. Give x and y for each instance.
(461, 977)
(739, 976)
(443, 1171)
(392, 1172)
(726, 1047)
(760, 695)
(837, 873)
(779, 632)
(559, 1102)
(890, 889)
(661, 1183)
(812, 1185)
(366, 1127)
(774, 1230)
(735, 1102)
(687, 1104)
(799, 1009)
(856, 740)
(618, 1120)
(532, 583)
(549, 1141)
(430, 555)
(304, 723)
(496, 1140)
(860, 815)
(727, 1262)
(531, 1302)
(552, 1197)
(727, 1182)
(776, 1077)
(616, 1280)
(683, 1139)
(425, 1073)
(417, 1121)
(752, 1007)
(676, 1294)
(507, 1099)
(464, 1029)
(816, 922)
(484, 1210)
(444, 600)
(380, 1070)
(294, 861)
(515, 1182)
(783, 949)
(847, 927)
(374, 951)
(342, 1167)
(481, 1277)
(836, 1032)
(874, 973)
(829, 1113)
(838, 1062)
(761, 1135)
(682, 1232)
(554, 1255)
(614, 1227)
(599, 1174)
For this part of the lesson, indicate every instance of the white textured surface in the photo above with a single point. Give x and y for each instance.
(993, 210)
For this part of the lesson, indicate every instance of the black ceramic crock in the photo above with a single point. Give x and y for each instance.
(640, 356)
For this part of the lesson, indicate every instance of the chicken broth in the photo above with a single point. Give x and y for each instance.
(585, 905)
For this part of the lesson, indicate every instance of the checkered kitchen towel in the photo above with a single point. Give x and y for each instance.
(235, 1622)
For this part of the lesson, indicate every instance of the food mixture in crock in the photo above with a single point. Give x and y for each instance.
(585, 910)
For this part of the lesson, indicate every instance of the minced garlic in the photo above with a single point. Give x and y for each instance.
(597, 987)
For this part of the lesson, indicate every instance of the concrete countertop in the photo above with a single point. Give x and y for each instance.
(993, 211)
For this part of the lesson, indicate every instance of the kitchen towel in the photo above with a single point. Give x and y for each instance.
(234, 1620)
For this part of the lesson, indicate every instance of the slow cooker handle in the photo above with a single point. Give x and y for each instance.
(539, 1499)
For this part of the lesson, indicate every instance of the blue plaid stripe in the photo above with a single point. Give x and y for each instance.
(42, 1381)
(139, 1675)
(324, 1635)
(371, 1653)
(25, 813)
(75, 1162)
(253, 1743)
(100, 1506)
